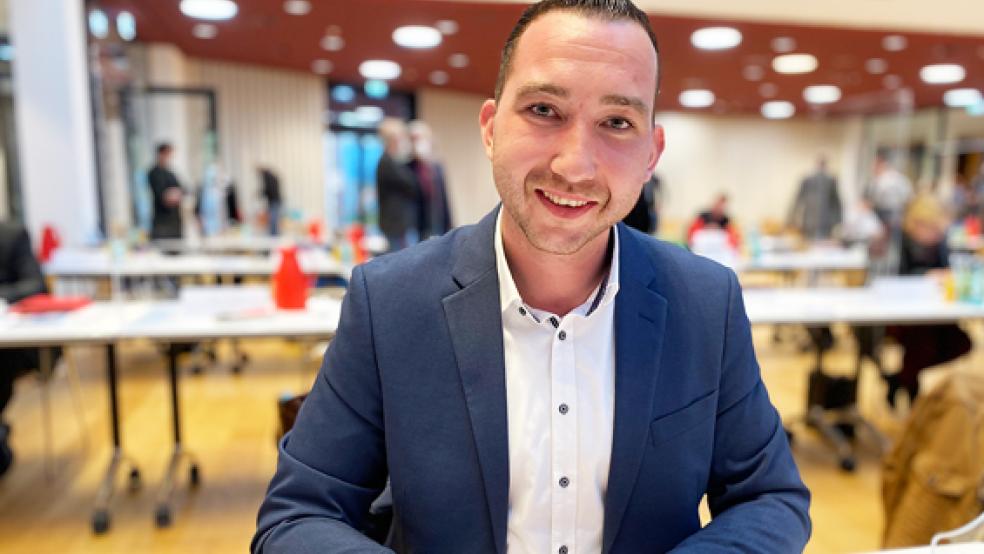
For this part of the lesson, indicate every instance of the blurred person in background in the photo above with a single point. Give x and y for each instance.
(715, 217)
(433, 214)
(817, 207)
(270, 191)
(20, 277)
(396, 187)
(645, 214)
(923, 250)
(167, 194)
(964, 199)
(890, 191)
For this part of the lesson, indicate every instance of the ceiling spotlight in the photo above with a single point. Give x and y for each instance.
(821, 94)
(204, 31)
(794, 64)
(213, 10)
(768, 90)
(458, 61)
(716, 38)
(343, 94)
(126, 26)
(778, 109)
(942, 73)
(753, 73)
(98, 24)
(783, 45)
(322, 67)
(383, 70)
(891, 82)
(696, 98)
(447, 26)
(962, 97)
(374, 88)
(439, 78)
(417, 36)
(297, 7)
(876, 66)
(332, 43)
(894, 43)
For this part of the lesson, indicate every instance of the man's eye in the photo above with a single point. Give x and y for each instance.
(542, 110)
(619, 123)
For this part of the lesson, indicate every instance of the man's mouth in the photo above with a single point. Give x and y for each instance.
(564, 206)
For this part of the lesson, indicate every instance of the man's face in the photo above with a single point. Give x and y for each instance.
(572, 139)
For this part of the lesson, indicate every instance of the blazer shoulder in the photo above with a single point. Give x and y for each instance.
(678, 262)
(419, 266)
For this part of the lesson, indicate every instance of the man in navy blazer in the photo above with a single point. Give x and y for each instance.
(461, 366)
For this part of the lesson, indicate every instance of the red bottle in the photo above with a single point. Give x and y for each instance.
(289, 282)
(50, 241)
(355, 235)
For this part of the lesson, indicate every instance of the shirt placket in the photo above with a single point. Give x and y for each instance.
(564, 438)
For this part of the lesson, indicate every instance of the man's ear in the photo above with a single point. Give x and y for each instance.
(659, 143)
(486, 119)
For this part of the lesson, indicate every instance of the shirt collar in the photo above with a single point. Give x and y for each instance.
(509, 298)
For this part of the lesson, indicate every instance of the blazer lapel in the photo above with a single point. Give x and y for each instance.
(640, 319)
(475, 322)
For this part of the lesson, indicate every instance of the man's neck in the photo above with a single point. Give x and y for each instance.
(552, 282)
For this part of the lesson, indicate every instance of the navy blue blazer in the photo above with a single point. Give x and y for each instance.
(413, 386)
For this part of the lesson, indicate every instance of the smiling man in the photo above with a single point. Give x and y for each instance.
(546, 381)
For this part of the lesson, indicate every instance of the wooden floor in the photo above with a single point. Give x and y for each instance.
(230, 422)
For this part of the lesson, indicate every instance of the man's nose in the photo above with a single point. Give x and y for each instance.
(574, 160)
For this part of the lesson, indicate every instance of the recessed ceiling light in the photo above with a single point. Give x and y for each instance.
(447, 26)
(768, 90)
(343, 94)
(370, 114)
(439, 78)
(98, 24)
(822, 94)
(876, 66)
(783, 45)
(753, 73)
(942, 73)
(696, 98)
(332, 43)
(794, 64)
(716, 38)
(891, 82)
(962, 97)
(894, 43)
(778, 109)
(322, 67)
(458, 61)
(383, 70)
(213, 10)
(297, 7)
(126, 26)
(204, 31)
(374, 88)
(417, 37)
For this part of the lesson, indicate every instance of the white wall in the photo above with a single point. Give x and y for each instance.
(758, 162)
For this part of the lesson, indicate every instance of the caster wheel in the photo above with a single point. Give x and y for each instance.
(194, 475)
(162, 516)
(237, 369)
(134, 480)
(196, 369)
(847, 464)
(100, 522)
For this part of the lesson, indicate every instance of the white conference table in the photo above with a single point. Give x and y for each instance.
(966, 548)
(230, 244)
(817, 258)
(100, 264)
(200, 313)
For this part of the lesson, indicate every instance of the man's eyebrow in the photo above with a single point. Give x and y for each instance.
(542, 88)
(632, 102)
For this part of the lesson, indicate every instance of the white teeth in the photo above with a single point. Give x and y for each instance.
(564, 201)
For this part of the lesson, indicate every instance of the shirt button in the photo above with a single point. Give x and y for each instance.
(522, 311)
(562, 335)
(562, 550)
(564, 481)
(563, 409)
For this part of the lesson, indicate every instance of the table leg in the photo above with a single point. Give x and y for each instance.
(163, 512)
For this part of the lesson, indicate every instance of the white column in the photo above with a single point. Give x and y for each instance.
(54, 118)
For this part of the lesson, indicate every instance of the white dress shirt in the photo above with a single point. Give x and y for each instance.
(560, 394)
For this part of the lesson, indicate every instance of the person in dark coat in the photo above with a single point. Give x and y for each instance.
(396, 187)
(433, 214)
(644, 215)
(20, 277)
(817, 208)
(167, 193)
(271, 193)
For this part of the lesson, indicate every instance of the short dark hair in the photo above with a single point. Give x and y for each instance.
(613, 10)
(164, 148)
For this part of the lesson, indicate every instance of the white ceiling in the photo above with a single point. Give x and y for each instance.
(939, 16)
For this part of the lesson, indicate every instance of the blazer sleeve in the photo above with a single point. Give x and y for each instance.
(332, 464)
(758, 502)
